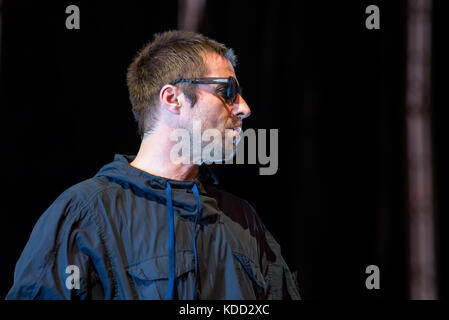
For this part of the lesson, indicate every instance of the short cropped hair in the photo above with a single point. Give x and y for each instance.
(171, 55)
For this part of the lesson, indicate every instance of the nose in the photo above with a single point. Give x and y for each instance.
(241, 108)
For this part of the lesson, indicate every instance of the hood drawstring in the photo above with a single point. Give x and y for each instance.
(171, 245)
(195, 235)
(171, 242)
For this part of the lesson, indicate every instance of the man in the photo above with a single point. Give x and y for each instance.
(156, 226)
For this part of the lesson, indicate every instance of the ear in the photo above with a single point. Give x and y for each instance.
(170, 97)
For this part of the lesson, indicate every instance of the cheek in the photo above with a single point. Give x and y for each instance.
(212, 114)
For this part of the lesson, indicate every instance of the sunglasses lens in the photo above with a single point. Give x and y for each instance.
(233, 90)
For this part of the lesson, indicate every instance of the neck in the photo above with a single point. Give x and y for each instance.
(154, 157)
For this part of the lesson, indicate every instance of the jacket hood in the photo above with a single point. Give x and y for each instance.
(120, 171)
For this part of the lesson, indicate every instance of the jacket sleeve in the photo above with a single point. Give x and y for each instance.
(281, 284)
(57, 255)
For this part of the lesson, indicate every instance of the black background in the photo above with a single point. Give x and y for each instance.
(311, 69)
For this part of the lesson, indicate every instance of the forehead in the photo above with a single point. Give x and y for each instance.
(218, 66)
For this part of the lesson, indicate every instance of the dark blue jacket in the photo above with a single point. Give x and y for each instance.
(132, 235)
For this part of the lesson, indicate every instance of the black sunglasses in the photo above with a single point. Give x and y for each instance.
(228, 88)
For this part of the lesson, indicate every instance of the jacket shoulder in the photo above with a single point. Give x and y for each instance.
(84, 191)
